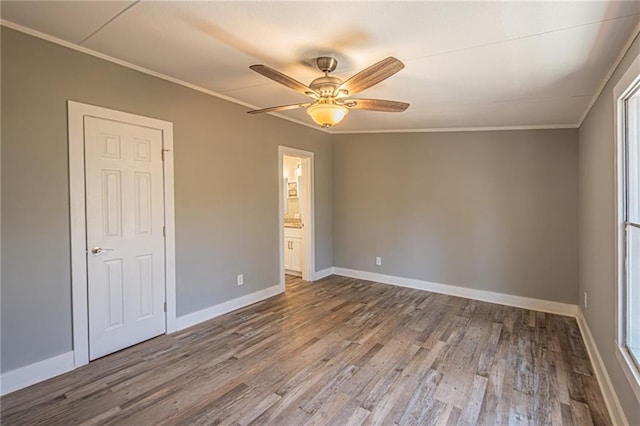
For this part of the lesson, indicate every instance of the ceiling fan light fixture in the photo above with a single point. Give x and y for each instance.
(327, 114)
(330, 94)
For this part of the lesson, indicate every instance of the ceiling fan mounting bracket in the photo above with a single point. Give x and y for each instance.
(326, 64)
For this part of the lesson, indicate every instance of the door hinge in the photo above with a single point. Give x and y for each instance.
(164, 231)
(165, 306)
(163, 151)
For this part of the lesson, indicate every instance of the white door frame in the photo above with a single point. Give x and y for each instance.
(308, 206)
(80, 315)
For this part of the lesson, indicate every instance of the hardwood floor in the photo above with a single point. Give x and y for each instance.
(340, 351)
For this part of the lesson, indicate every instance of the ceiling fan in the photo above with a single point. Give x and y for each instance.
(331, 96)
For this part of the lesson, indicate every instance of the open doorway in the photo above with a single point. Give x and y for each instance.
(296, 224)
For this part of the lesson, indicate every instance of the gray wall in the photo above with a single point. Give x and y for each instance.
(597, 220)
(226, 189)
(486, 210)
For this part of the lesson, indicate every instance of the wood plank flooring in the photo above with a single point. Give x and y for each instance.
(339, 351)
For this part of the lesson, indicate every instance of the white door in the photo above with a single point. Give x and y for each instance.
(125, 220)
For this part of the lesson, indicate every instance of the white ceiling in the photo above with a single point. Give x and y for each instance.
(468, 64)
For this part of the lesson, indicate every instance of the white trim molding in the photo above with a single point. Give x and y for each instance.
(308, 123)
(458, 129)
(193, 318)
(604, 381)
(76, 113)
(469, 293)
(147, 71)
(606, 386)
(31, 374)
(627, 82)
(40, 371)
(323, 273)
(607, 77)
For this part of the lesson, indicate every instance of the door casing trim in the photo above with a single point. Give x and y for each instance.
(76, 112)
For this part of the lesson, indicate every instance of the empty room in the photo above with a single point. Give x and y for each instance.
(316, 212)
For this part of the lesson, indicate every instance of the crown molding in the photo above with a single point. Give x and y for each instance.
(105, 57)
(613, 69)
(144, 70)
(461, 129)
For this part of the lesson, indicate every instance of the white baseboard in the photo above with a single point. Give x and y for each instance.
(323, 273)
(606, 387)
(37, 372)
(197, 317)
(469, 293)
(48, 368)
(54, 366)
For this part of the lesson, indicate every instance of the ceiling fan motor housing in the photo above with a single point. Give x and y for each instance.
(325, 86)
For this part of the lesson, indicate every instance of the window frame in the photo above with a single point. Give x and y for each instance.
(625, 88)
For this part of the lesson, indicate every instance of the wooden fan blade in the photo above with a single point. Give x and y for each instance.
(285, 80)
(371, 76)
(278, 108)
(376, 105)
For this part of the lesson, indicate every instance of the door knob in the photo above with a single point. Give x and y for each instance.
(99, 250)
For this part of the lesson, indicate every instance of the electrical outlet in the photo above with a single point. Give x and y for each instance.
(240, 279)
(585, 300)
(378, 261)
